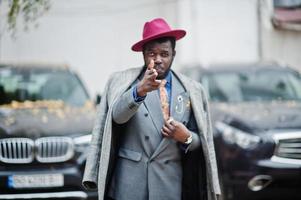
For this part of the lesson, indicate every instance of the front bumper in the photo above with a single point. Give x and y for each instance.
(246, 176)
(264, 179)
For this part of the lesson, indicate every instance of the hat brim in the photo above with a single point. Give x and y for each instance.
(177, 34)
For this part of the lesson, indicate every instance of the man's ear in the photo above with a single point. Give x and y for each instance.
(174, 53)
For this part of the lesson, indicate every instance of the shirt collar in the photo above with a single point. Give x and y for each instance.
(168, 78)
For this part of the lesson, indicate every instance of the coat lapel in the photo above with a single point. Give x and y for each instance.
(196, 105)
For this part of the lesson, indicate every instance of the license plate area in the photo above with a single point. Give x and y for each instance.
(35, 181)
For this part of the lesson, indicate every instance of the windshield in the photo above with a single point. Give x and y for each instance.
(256, 85)
(31, 84)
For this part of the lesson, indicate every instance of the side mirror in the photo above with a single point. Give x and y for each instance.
(97, 99)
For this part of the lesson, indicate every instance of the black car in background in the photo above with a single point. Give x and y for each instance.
(256, 118)
(46, 117)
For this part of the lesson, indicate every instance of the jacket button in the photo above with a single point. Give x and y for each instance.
(146, 137)
(145, 114)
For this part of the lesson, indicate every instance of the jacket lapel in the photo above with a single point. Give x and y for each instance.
(178, 100)
(152, 104)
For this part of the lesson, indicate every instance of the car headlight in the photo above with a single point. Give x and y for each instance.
(233, 135)
(82, 142)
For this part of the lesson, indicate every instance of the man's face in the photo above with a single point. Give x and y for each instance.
(162, 54)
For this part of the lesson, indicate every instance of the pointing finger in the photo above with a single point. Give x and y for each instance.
(151, 65)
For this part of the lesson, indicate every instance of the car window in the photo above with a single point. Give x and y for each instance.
(30, 84)
(257, 85)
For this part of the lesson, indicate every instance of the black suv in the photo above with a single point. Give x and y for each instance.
(256, 118)
(46, 117)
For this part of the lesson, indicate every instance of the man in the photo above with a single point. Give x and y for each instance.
(152, 138)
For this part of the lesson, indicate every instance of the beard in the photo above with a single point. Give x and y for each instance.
(163, 75)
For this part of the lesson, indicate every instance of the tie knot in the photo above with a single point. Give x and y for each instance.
(163, 83)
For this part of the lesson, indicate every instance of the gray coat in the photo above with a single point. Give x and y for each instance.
(101, 153)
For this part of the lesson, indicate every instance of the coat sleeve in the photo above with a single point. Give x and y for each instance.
(90, 178)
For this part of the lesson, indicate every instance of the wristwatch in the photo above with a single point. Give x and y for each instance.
(189, 139)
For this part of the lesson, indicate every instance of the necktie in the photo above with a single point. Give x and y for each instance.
(164, 100)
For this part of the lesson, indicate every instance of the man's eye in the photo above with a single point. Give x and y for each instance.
(164, 54)
(151, 54)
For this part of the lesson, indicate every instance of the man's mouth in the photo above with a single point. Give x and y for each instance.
(158, 68)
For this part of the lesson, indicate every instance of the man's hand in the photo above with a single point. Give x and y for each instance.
(149, 82)
(175, 130)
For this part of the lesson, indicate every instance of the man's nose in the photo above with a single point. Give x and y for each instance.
(158, 59)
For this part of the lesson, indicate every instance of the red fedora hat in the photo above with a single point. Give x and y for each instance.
(157, 28)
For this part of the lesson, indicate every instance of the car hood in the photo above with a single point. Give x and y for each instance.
(256, 116)
(36, 119)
